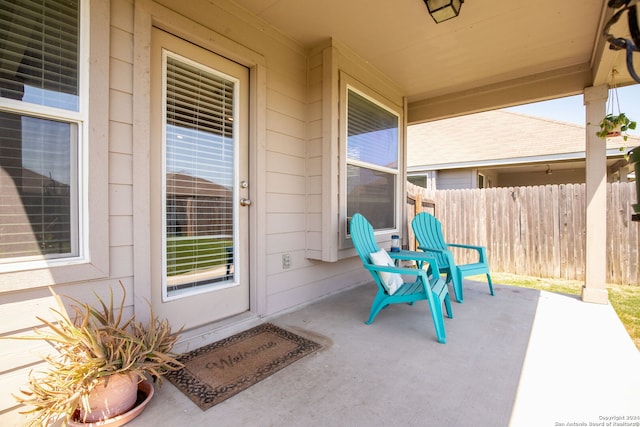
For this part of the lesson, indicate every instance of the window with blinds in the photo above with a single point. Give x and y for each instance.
(199, 173)
(372, 161)
(39, 45)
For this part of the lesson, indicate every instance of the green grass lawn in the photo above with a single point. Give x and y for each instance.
(185, 255)
(625, 300)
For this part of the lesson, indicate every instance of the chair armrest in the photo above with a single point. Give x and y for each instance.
(428, 249)
(427, 281)
(482, 251)
(420, 258)
(406, 271)
(459, 245)
(390, 269)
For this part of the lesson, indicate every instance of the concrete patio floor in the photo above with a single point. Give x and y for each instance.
(520, 358)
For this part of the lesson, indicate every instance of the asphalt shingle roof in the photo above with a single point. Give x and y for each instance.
(496, 135)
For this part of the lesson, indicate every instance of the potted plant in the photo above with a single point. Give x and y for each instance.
(97, 351)
(615, 125)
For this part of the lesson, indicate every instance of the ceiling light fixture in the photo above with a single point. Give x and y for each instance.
(441, 10)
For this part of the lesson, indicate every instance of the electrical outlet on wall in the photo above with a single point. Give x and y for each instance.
(286, 261)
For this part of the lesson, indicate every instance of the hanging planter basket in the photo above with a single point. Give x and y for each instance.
(613, 125)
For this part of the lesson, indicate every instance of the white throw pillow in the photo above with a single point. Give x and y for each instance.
(391, 281)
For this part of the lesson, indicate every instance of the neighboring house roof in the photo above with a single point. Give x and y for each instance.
(498, 137)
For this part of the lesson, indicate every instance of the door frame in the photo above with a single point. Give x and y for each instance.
(150, 15)
(214, 301)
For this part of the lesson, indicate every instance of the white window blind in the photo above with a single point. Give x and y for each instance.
(38, 155)
(199, 164)
(39, 52)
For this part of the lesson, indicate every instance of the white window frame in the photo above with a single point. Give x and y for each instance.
(92, 261)
(482, 180)
(419, 175)
(347, 84)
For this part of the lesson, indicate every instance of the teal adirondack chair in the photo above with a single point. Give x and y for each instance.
(433, 289)
(428, 231)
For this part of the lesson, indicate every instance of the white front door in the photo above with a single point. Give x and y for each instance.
(199, 183)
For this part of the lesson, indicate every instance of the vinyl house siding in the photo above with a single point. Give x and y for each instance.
(288, 160)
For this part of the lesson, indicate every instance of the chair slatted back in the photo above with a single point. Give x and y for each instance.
(428, 231)
(363, 237)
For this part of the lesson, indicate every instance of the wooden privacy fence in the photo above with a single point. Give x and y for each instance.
(536, 231)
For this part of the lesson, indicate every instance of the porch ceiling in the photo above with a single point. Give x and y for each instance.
(494, 54)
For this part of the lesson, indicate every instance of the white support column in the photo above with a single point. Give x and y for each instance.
(594, 289)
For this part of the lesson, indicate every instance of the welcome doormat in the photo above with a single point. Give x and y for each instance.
(220, 370)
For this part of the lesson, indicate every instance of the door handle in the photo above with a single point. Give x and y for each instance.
(245, 202)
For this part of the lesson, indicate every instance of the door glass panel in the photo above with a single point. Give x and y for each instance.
(199, 176)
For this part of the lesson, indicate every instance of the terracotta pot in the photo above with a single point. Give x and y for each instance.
(145, 393)
(616, 131)
(116, 395)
